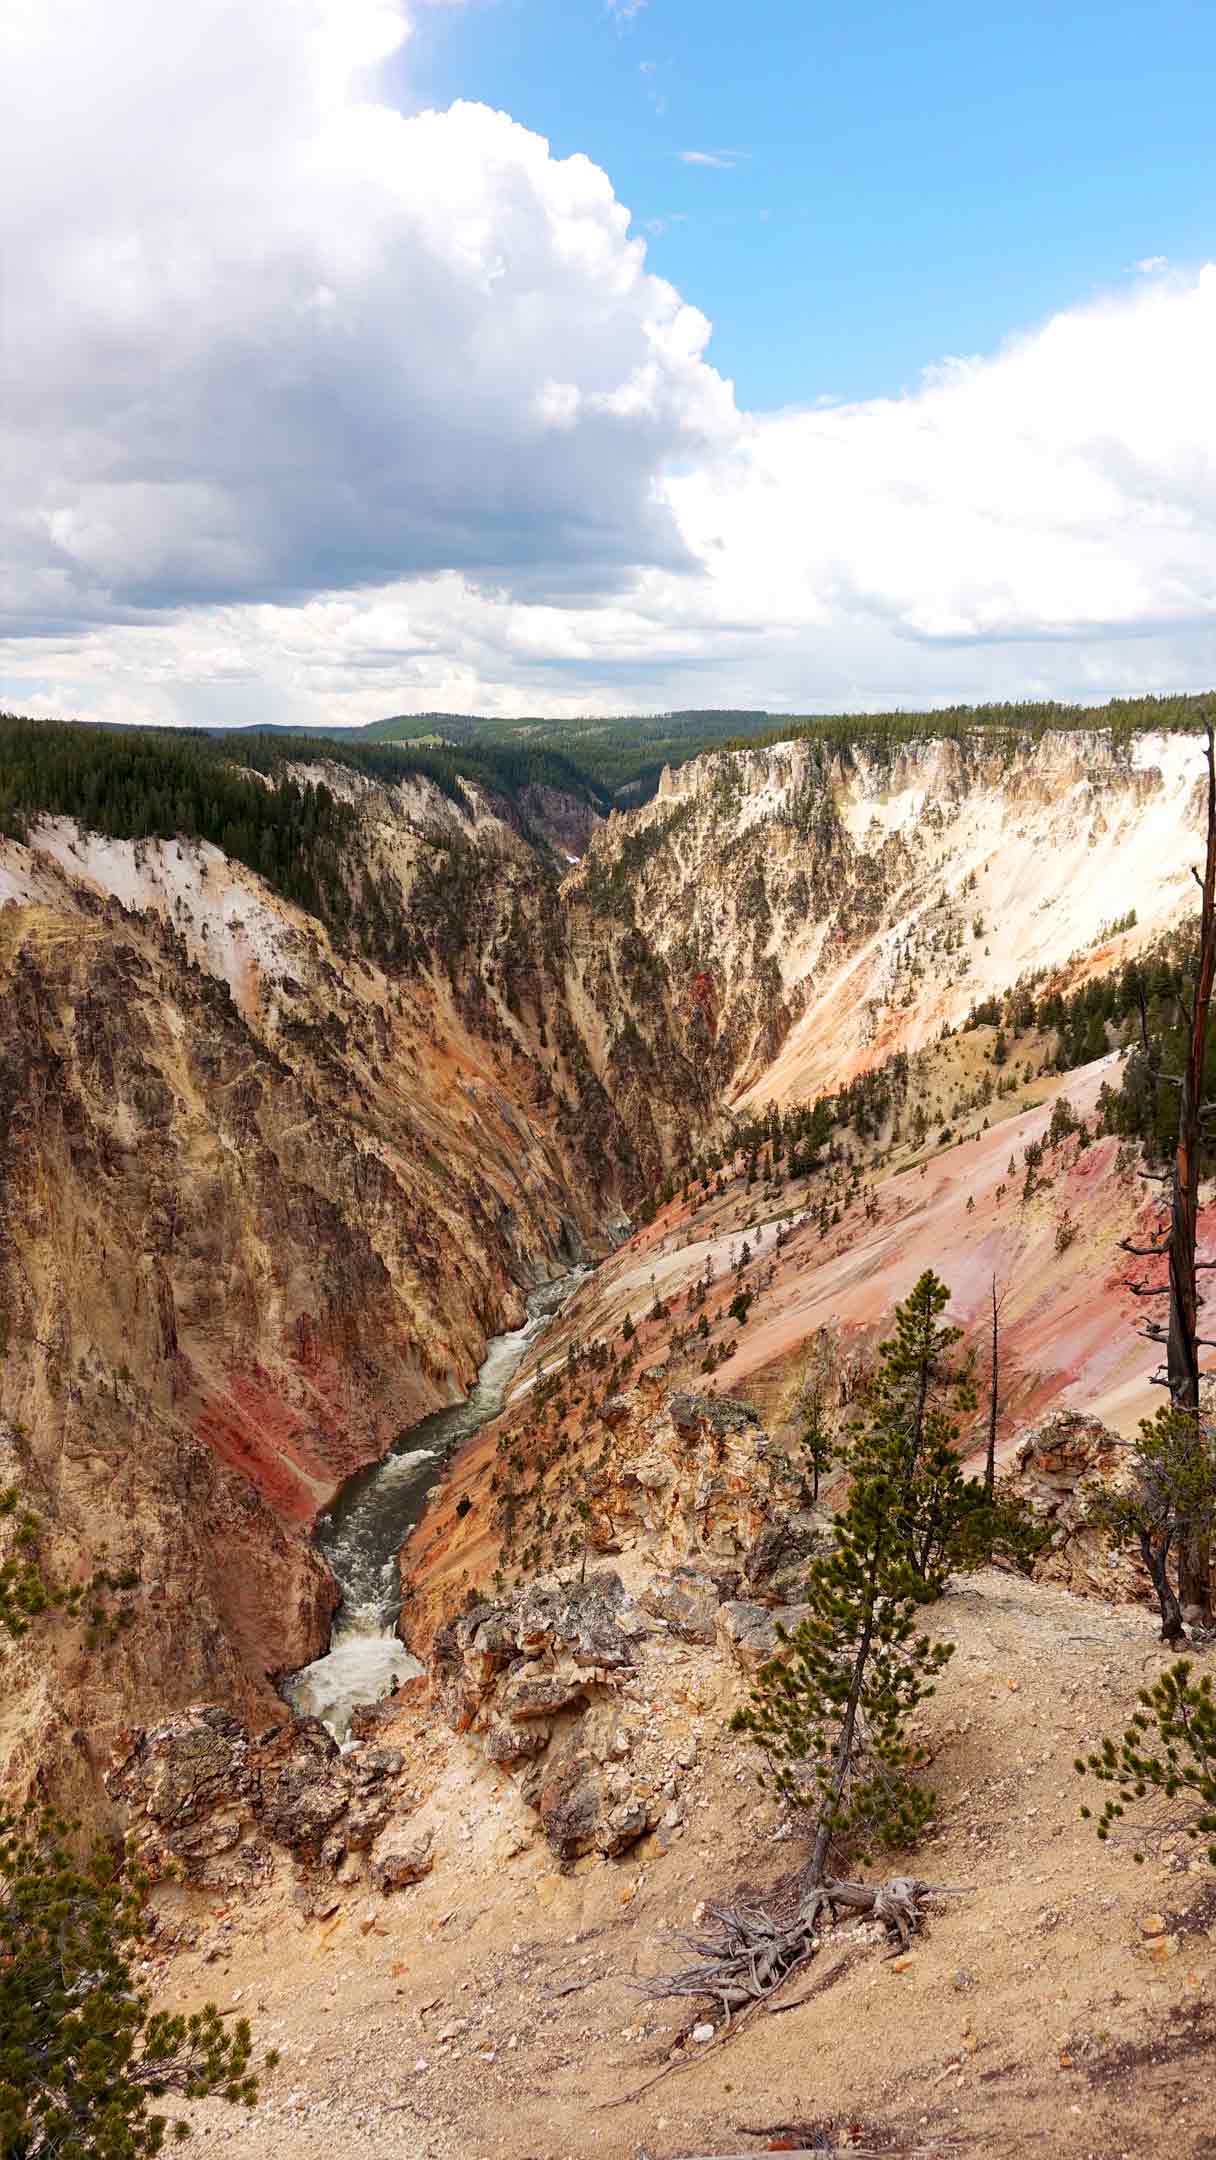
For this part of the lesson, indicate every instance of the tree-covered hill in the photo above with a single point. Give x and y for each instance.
(625, 754)
(137, 783)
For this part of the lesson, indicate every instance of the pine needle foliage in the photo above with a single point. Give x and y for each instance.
(28, 1592)
(25, 1592)
(831, 1711)
(1171, 1498)
(1169, 1748)
(818, 1443)
(83, 2058)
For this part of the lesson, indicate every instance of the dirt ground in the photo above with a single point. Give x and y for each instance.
(1066, 2006)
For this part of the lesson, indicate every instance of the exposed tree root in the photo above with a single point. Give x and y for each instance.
(756, 1948)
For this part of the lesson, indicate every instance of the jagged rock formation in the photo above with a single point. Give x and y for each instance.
(543, 1680)
(1061, 1467)
(691, 1483)
(206, 1799)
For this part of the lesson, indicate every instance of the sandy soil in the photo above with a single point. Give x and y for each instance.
(1066, 2007)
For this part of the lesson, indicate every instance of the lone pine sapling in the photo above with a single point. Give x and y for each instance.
(831, 1711)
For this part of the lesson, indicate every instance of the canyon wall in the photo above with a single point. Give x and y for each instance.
(810, 915)
(266, 1195)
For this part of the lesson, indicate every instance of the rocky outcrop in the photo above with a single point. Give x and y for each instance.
(751, 1634)
(693, 1480)
(401, 1856)
(1061, 1467)
(549, 1684)
(206, 1798)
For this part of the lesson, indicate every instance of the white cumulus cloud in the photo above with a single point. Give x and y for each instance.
(264, 334)
(312, 408)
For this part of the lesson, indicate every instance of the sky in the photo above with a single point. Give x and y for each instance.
(554, 356)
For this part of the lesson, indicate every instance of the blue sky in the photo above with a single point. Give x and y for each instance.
(917, 179)
(331, 384)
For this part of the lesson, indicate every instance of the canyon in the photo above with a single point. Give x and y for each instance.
(269, 1196)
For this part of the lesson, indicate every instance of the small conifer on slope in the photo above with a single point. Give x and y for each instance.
(1169, 1749)
(831, 1710)
(83, 2058)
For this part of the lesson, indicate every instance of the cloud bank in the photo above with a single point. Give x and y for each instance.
(263, 334)
(312, 408)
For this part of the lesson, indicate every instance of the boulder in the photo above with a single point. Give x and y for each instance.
(508, 1744)
(715, 1415)
(622, 1826)
(746, 1633)
(304, 1785)
(1053, 1457)
(363, 1821)
(183, 1770)
(488, 1647)
(211, 1796)
(218, 1854)
(688, 1601)
(1061, 1467)
(749, 1634)
(302, 1807)
(569, 1806)
(400, 1856)
(541, 1694)
(370, 1765)
(775, 1564)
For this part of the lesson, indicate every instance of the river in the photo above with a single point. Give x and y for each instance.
(363, 1531)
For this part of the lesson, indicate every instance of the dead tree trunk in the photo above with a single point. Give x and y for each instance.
(990, 1458)
(1182, 1336)
(1176, 1244)
(1156, 1560)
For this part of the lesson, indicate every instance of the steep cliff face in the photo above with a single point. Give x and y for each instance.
(264, 1201)
(806, 917)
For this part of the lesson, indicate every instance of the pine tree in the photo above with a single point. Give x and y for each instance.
(26, 1592)
(831, 1712)
(818, 1443)
(1179, 1757)
(82, 2055)
(1171, 1500)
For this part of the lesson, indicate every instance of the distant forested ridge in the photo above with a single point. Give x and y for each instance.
(625, 754)
(209, 784)
(149, 783)
(1010, 724)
